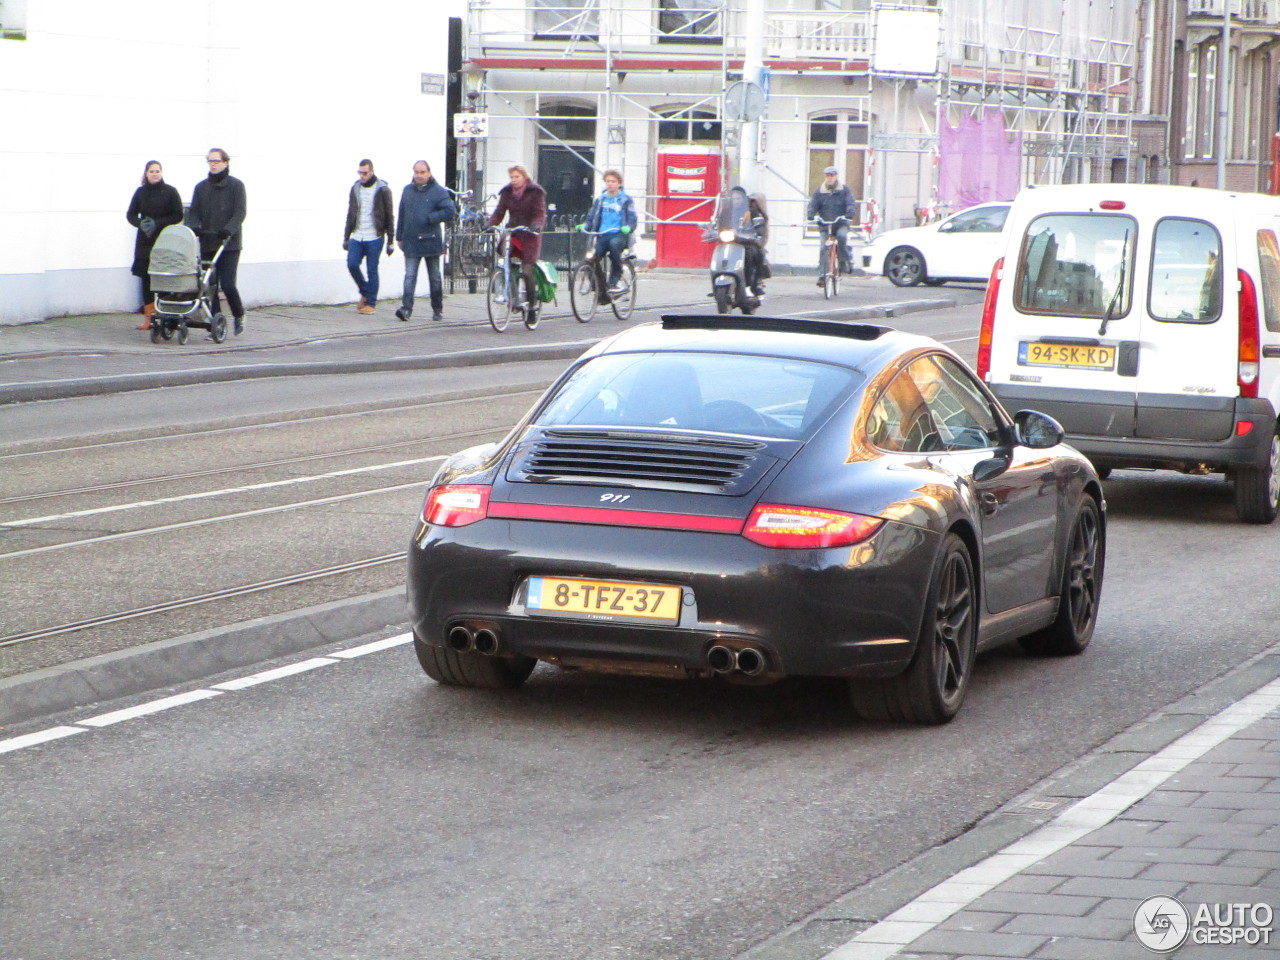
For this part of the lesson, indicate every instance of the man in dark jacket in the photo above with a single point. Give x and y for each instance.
(425, 206)
(831, 201)
(369, 219)
(217, 211)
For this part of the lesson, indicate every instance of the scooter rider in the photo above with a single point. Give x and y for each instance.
(831, 201)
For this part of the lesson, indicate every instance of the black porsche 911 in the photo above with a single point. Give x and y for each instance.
(754, 498)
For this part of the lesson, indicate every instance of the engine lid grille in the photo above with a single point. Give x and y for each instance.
(691, 462)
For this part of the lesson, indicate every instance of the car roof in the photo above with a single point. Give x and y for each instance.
(865, 347)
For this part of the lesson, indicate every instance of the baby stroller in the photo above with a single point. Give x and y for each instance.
(180, 279)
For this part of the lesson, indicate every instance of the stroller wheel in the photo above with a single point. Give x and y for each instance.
(218, 328)
(182, 331)
(166, 329)
(156, 327)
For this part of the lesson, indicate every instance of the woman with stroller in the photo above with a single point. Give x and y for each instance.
(155, 205)
(524, 204)
(217, 211)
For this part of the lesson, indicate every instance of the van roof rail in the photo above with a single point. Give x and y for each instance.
(829, 328)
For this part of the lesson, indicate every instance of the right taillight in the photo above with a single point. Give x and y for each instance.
(806, 528)
(1248, 350)
(988, 321)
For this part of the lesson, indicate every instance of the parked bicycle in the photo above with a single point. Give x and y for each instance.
(831, 259)
(506, 289)
(589, 286)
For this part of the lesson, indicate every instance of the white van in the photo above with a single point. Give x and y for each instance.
(1146, 320)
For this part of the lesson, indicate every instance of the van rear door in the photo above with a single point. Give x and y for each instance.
(1186, 382)
(1069, 342)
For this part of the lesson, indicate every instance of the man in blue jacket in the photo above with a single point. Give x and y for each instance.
(831, 201)
(425, 206)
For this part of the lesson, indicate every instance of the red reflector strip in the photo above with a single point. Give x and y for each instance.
(1244, 428)
(614, 517)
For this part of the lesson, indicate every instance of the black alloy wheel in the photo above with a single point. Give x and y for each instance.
(932, 688)
(905, 266)
(1082, 568)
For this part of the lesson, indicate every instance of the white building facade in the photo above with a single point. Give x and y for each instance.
(296, 95)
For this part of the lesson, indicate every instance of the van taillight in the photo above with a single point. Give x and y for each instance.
(988, 321)
(1248, 350)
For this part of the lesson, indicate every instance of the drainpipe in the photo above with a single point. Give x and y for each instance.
(1224, 95)
(753, 62)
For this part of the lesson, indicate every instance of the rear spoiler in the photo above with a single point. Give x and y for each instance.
(828, 328)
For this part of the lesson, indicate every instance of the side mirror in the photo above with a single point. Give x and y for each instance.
(991, 468)
(1036, 430)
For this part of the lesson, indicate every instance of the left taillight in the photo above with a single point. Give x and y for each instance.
(456, 504)
(988, 321)
(806, 528)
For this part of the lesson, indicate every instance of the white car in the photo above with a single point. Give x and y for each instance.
(964, 246)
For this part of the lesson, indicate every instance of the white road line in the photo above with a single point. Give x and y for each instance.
(396, 641)
(109, 537)
(195, 696)
(153, 706)
(220, 493)
(900, 928)
(268, 675)
(42, 736)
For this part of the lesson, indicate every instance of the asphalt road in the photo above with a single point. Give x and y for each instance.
(359, 810)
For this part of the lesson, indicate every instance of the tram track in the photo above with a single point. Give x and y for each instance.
(227, 593)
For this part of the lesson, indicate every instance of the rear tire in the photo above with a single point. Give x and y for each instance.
(583, 296)
(467, 668)
(218, 328)
(182, 331)
(156, 326)
(625, 302)
(499, 313)
(722, 300)
(904, 266)
(1258, 488)
(932, 688)
(1082, 567)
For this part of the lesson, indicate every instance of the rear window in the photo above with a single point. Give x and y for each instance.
(721, 393)
(1077, 265)
(1186, 272)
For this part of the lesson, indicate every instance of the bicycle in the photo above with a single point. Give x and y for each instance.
(589, 288)
(504, 298)
(831, 258)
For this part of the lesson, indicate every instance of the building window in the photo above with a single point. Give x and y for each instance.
(1193, 103)
(689, 21)
(688, 126)
(555, 19)
(1209, 103)
(564, 121)
(839, 140)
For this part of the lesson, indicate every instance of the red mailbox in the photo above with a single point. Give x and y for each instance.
(688, 184)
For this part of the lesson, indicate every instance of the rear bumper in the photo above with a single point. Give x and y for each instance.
(853, 611)
(1084, 414)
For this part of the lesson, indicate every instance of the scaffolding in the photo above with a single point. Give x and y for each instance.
(1059, 76)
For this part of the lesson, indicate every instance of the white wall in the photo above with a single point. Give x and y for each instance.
(297, 94)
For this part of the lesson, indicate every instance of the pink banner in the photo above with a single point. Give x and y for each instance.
(978, 161)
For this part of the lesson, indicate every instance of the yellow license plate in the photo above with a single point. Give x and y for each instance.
(604, 599)
(1081, 356)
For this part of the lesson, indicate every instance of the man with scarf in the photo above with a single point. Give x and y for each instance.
(369, 219)
(831, 201)
(217, 211)
(425, 206)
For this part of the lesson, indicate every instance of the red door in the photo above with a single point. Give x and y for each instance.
(688, 184)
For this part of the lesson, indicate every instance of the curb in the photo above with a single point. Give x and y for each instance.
(194, 656)
(59, 389)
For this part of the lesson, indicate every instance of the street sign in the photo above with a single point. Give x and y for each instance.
(434, 83)
(473, 126)
(744, 100)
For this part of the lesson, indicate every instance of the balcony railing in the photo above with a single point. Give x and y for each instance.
(1250, 11)
(589, 27)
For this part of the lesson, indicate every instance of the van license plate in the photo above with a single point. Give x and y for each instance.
(1076, 355)
(604, 599)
